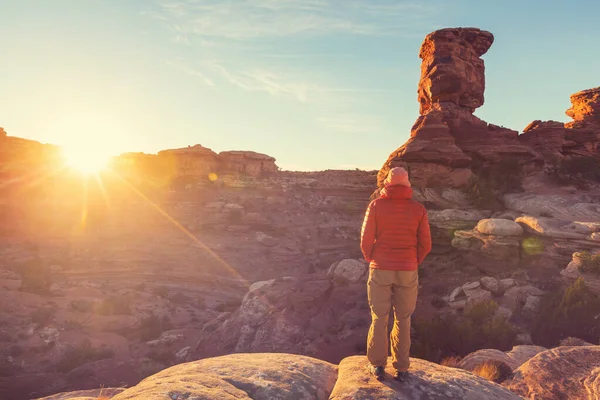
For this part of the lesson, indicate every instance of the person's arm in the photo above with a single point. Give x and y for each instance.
(423, 238)
(367, 236)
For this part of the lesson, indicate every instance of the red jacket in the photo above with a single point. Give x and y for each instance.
(395, 233)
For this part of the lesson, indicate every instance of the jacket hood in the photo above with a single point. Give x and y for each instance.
(397, 192)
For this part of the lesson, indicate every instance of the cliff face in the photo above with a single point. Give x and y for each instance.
(199, 162)
(449, 145)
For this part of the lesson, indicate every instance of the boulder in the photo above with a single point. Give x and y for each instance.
(491, 284)
(531, 306)
(571, 341)
(559, 373)
(575, 207)
(427, 381)
(266, 240)
(240, 376)
(554, 228)
(452, 69)
(352, 271)
(514, 359)
(488, 252)
(506, 284)
(478, 296)
(444, 223)
(499, 227)
(456, 294)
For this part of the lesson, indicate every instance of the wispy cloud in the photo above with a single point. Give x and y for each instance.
(251, 19)
(183, 66)
(250, 44)
(352, 124)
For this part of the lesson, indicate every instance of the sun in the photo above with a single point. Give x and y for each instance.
(86, 160)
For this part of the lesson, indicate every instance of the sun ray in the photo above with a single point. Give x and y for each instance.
(186, 232)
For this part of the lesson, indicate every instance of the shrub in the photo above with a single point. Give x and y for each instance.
(576, 170)
(152, 326)
(81, 306)
(450, 335)
(438, 302)
(590, 262)
(492, 181)
(481, 194)
(73, 325)
(228, 306)
(42, 316)
(161, 291)
(117, 305)
(451, 362)
(573, 312)
(493, 370)
(35, 276)
(83, 354)
(162, 356)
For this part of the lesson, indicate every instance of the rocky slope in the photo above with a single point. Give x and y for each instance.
(561, 373)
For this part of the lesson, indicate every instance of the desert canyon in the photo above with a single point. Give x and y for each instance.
(191, 274)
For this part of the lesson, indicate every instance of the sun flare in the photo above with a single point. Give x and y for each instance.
(87, 161)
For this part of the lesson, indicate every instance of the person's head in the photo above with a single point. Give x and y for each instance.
(397, 176)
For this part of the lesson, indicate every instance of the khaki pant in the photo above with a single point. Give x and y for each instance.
(384, 289)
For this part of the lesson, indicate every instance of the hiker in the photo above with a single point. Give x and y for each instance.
(395, 239)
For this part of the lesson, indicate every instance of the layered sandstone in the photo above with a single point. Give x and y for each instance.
(585, 108)
(247, 163)
(191, 160)
(449, 145)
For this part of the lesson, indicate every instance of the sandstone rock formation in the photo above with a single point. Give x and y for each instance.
(449, 146)
(285, 376)
(192, 160)
(427, 381)
(304, 316)
(247, 163)
(448, 143)
(514, 358)
(452, 70)
(585, 109)
(560, 373)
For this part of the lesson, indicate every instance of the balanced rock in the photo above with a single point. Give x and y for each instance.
(560, 373)
(452, 68)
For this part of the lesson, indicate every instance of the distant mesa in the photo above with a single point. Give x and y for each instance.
(449, 145)
(200, 161)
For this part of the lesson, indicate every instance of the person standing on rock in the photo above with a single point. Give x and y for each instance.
(395, 239)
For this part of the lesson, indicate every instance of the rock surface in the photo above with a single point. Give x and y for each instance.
(499, 227)
(560, 373)
(514, 359)
(427, 381)
(92, 394)
(240, 376)
(585, 108)
(452, 68)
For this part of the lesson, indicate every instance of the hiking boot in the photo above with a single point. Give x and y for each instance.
(401, 376)
(377, 372)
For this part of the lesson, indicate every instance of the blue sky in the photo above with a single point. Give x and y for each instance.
(315, 83)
